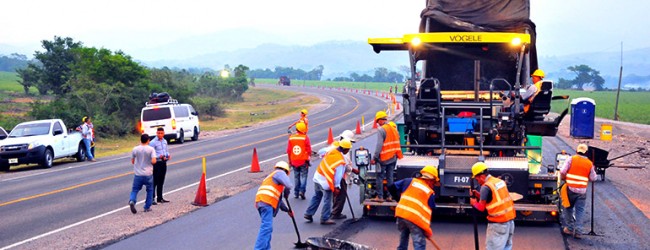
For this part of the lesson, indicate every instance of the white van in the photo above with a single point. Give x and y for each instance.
(180, 121)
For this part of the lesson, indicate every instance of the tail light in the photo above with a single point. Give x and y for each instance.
(173, 123)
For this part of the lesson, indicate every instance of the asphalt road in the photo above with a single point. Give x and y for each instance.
(233, 224)
(41, 200)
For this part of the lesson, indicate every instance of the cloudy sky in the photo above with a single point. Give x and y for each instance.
(564, 27)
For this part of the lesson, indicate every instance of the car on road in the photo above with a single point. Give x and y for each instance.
(284, 81)
(179, 120)
(3, 134)
(40, 142)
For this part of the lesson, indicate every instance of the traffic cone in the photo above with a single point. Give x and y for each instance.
(330, 138)
(255, 163)
(374, 124)
(201, 198)
(358, 128)
(398, 106)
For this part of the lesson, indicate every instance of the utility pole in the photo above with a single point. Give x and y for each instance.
(618, 92)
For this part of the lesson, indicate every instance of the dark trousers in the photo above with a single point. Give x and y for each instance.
(339, 200)
(159, 172)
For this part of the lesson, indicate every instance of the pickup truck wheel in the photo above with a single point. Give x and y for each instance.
(81, 153)
(195, 137)
(181, 139)
(48, 159)
(4, 167)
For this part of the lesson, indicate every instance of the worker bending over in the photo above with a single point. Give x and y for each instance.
(413, 211)
(495, 198)
(268, 199)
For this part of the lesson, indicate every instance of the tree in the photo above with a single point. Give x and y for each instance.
(585, 75)
(240, 71)
(28, 77)
(381, 75)
(54, 70)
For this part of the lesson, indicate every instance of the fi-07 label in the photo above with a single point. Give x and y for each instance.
(461, 179)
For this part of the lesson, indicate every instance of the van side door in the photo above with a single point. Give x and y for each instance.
(182, 118)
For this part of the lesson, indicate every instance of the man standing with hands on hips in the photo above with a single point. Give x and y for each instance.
(160, 168)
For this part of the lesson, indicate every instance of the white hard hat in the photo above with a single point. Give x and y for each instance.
(347, 134)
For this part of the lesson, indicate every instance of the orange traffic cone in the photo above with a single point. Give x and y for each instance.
(255, 163)
(358, 128)
(398, 106)
(330, 138)
(201, 198)
(374, 124)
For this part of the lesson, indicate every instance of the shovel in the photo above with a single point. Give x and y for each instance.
(433, 242)
(298, 244)
(350, 205)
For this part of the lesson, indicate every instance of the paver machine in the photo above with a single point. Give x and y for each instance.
(475, 58)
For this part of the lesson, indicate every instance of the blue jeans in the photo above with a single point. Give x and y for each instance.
(266, 228)
(300, 178)
(573, 216)
(138, 181)
(499, 235)
(89, 153)
(384, 171)
(326, 212)
(407, 228)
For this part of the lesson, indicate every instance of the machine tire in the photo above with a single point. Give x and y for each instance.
(81, 153)
(181, 138)
(195, 137)
(48, 159)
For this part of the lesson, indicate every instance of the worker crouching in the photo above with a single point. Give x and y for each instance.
(415, 206)
(495, 198)
(269, 198)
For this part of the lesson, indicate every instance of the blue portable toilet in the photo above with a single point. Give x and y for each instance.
(583, 115)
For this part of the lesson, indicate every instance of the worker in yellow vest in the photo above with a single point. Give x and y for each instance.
(269, 198)
(413, 211)
(577, 171)
(327, 182)
(303, 119)
(495, 198)
(387, 151)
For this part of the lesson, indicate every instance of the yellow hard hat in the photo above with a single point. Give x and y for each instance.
(539, 73)
(283, 165)
(335, 144)
(301, 127)
(84, 119)
(392, 124)
(582, 148)
(380, 115)
(429, 172)
(304, 111)
(345, 143)
(478, 168)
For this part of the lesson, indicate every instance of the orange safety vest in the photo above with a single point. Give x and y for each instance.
(328, 165)
(413, 205)
(269, 192)
(298, 147)
(527, 103)
(391, 145)
(501, 208)
(578, 174)
(306, 122)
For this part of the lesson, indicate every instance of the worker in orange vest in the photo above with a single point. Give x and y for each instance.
(327, 182)
(299, 153)
(303, 119)
(269, 198)
(533, 89)
(387, 151)
(495, 198)
(413, 211)
(577, 171)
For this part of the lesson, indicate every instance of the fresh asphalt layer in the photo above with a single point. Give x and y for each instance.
(44, 200)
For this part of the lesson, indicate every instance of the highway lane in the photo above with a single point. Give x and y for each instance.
(35, 203)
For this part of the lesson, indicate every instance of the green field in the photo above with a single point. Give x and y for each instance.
(632, 106)
(9, 84)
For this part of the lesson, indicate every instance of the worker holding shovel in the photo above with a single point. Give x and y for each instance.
(413, 211)
(269, 198)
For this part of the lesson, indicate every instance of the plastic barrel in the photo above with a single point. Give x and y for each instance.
(606, 132)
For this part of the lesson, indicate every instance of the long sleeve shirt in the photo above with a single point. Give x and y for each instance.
(86, 131)
(160, 145)
(338, 176)
(402, 185)
(280, 178)
(565, 169)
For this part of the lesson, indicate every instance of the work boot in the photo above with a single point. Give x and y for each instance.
(309, 218)
(146, 210)
(339, 216)
(302, 195)
(328, 222)
(132, 206)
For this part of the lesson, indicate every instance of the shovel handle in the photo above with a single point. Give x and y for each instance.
(433, 242)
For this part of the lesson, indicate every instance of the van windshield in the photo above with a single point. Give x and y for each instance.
(156, 114)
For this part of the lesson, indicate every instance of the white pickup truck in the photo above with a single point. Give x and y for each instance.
(40, 142)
